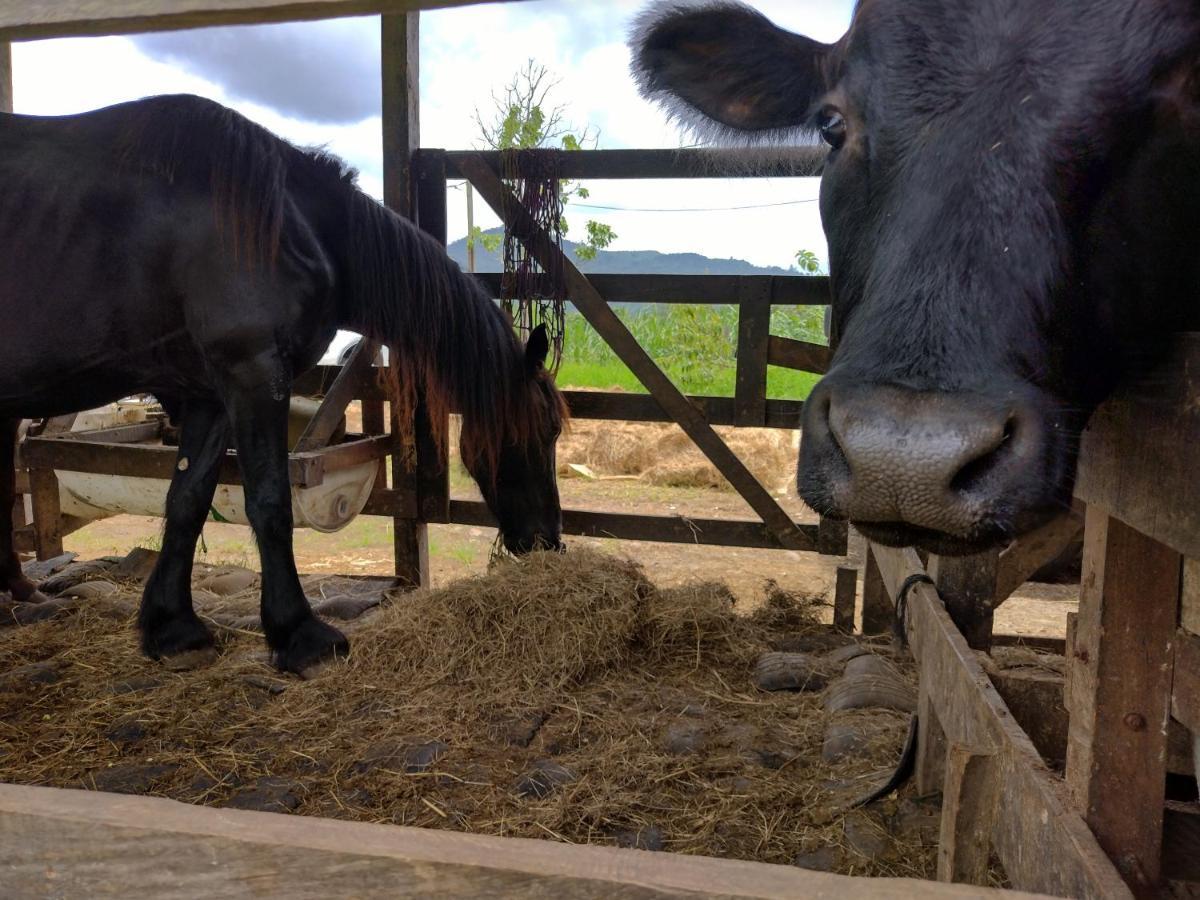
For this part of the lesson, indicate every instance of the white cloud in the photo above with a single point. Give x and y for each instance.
(466, 53)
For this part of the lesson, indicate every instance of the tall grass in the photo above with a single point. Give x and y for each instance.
(696, 345)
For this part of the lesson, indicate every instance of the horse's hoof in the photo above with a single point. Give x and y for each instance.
(190, 659)
(176, 638)
(311, 644)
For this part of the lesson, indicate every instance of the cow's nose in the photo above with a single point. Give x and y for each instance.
(935, 460)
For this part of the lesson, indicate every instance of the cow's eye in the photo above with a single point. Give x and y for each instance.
(833, 127)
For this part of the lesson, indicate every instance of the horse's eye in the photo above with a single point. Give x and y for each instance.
(833, 127)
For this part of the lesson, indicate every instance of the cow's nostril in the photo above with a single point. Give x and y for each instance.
(974, 473)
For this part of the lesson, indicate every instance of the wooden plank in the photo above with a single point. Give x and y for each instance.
(1121, 671)
(667, 529)
(1185, 684)
(400, 43)
(793, 354)
(968, 815)
(1141, 451)
(626, 407)
(1189, 601)
(967, 585)
(845, 594)
(707, 290)
(750, 380)
(1031, 551)
(359, 367)
(22, 20)
(790, 162)
(930, 765)
(1043, 844)
(601, 317)
(47, 515)
(6, 77)
(136, 433)
(878, 611)
(89, 844)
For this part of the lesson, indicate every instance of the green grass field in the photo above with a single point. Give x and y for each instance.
(695, 345)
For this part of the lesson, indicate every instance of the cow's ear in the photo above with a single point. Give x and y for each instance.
(724, 63)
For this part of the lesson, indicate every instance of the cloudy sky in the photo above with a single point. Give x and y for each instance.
(318, 83)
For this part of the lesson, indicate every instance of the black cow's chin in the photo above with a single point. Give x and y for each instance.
(899, 534)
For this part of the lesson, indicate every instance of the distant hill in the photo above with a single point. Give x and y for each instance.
(639, 262)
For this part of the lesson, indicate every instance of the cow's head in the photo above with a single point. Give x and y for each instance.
(1009, 198)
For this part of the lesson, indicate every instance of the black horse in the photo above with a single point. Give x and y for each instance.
(173, 247)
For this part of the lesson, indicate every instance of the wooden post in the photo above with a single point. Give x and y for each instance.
(930, 765)
(968, 815)
(967, 585)
(1120, 674)
(47, 528)
(400, 40)
(6, 79)
(878, 612)
(754, 330)
(844, 594)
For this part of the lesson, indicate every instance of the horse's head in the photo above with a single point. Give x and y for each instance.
(517, 476)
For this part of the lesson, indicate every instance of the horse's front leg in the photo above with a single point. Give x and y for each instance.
(11, 577)
(256, 397)
(169, 625)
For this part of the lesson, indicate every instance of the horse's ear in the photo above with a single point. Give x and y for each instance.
(537, 349)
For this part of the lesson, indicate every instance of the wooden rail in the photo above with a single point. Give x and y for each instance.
(794, 162)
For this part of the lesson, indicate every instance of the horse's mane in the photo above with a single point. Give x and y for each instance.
(452, 347)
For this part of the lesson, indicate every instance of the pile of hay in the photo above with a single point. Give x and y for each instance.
(561, 696)
(663, 455)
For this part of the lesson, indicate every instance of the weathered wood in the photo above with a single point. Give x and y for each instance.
(968, 815)
(22, 20)
(1185, 685)
(754, 330)
(1141, 451)
(6, 77)
(118, 434)
(845, 593)
(967, 585)
(601, 317)
(90, 844)
(1120, 694)
(400, 42)
(1189, 600)
(929, 769)
(644, 408)
(358, 368)
(792, 354)
(667, 529)
(878, 611)
(1040, 840)
(43, 492)
(1033, 550)
(721, 290)
(791, 162)
(833, 536)
(1035, 699)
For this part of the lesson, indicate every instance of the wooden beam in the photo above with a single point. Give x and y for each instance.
(701, 290)
(601, 317)
(1043, 844)
(754, 330)
(1141, 451)
(1185, 684)
(968, 815)
(400, 42)
(967, 585)
(878, 611)
(845, 593)
(802, 355)
(1033, 550)
(667, 529)
(346, 386)
(627, 407)
(1120, 672)
(790, 162)
(47, 514)
(21, 20)
(6, 77)
(89, 844)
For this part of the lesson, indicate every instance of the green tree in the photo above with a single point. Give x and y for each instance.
(523, 118)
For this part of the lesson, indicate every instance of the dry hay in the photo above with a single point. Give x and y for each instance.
(562, 696)
(664, 455)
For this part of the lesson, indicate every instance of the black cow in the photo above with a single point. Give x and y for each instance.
(1012, 202)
